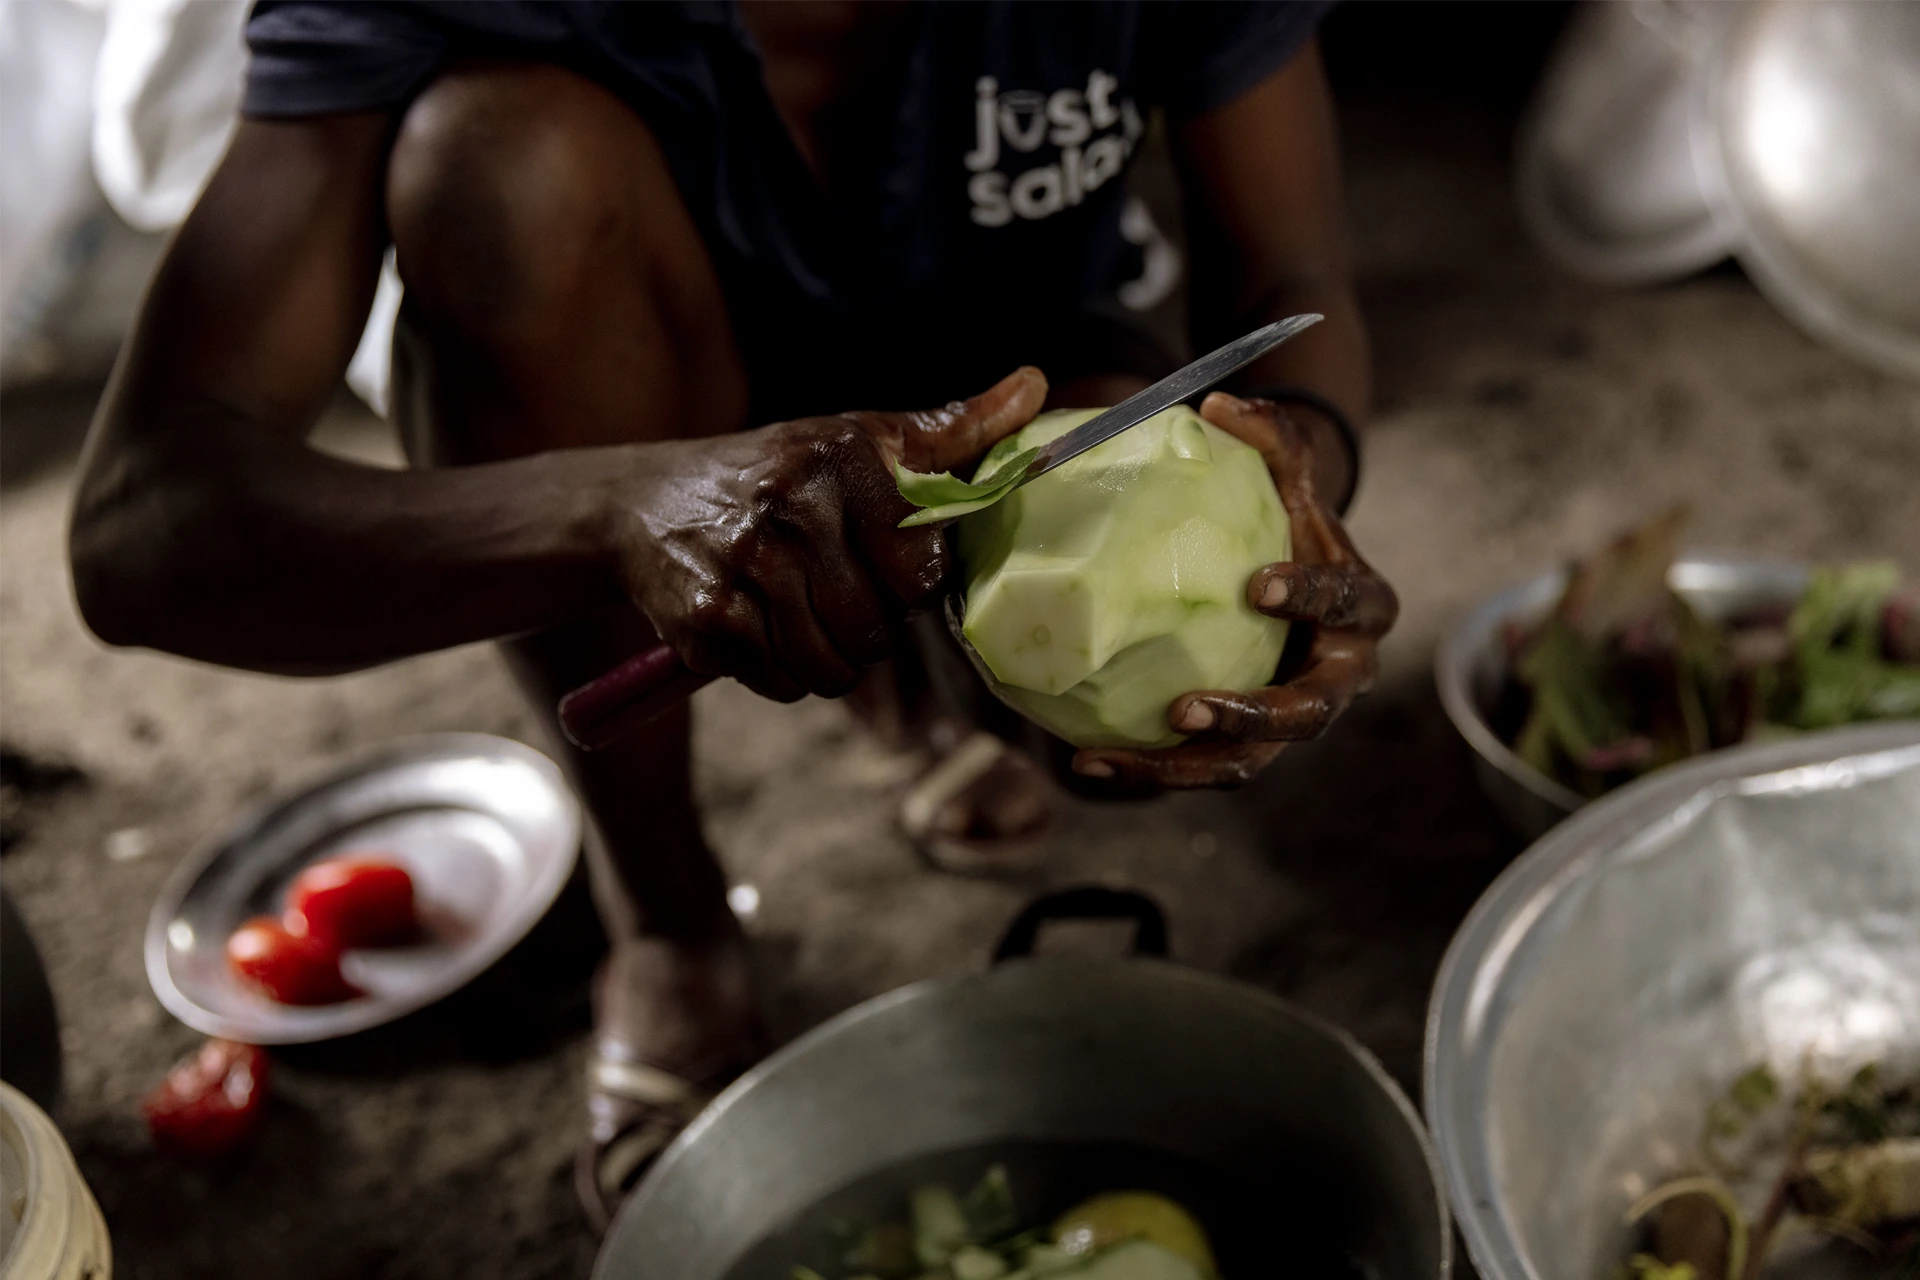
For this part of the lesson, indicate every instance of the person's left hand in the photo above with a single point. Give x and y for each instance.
(1327, 587)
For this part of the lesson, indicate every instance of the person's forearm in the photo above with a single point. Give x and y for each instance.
(227, 544)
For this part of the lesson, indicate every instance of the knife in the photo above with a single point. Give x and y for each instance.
(606, 710)
(1183, 384)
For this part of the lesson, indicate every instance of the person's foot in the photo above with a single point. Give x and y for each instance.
(673, 1023)
(983, 808)
(978, 806)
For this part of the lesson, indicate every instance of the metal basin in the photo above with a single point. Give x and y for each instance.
(1816, 109)
(1136, 1061)
(1605, 164)
(1472, 661)
(1755, 905)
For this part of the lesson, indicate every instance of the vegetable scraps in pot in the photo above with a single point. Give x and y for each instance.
(1624, 676)
(1833, 1167)
(1127, 1235)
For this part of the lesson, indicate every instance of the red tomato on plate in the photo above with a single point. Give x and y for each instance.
(289, 967)
(353, 902)
(210, 1103)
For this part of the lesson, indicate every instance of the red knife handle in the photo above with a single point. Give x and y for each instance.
(601, 712)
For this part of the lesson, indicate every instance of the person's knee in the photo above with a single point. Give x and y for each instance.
(536, 219)
(499, 199)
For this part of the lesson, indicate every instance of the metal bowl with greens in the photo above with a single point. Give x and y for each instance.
(1623, 675)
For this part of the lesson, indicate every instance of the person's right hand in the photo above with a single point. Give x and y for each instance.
(773, 556)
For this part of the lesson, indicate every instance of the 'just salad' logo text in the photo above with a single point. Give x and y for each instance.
(1092, 134)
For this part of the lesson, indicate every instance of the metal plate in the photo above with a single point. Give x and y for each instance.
(1607, 178)
(1816, 109)
(1471, 663)
(487, 827)
(1755, 905)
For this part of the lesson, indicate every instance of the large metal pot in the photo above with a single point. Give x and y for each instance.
(1075, 1073)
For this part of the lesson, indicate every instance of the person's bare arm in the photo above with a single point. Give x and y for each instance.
(205, 526)
(1266, 236)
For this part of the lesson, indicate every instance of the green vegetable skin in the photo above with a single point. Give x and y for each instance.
(1102, 591)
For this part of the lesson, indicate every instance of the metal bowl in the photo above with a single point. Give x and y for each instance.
(1605, 171)
(1472, 663)
(1816, 114)
(1755, 905)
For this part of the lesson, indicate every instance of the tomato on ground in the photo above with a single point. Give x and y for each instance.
(210, 1103)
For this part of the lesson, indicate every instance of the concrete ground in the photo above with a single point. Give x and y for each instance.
(1522, 416)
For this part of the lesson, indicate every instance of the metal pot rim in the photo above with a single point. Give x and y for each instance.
(887, 1003)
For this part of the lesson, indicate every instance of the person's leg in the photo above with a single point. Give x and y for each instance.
(558, 296)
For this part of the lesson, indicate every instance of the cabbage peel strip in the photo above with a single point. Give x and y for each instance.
(944, 496)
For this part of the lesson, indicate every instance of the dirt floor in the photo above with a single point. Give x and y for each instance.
(1521, 417)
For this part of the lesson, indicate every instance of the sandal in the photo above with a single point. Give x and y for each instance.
(950, 836)
(635, 1111)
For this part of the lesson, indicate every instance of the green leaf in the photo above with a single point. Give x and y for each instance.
(989, 1206)
(939, 1225)
(946, 497)
(971, 1262)
(1624, 581)
(886, 1251)
(1644, 1266)
(1755, 1090)
(1842, 607)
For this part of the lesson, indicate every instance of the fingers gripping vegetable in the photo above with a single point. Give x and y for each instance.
(1166, 672)
(1102, 591)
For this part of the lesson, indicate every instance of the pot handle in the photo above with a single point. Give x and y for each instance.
(1089, 902)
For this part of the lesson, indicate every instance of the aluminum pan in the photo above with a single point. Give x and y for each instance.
(1606, 169)
(1815, 106)
(486, 825)
(1756, 904)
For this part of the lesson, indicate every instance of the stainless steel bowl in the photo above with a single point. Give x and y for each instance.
(1755, 905)
(1816, 113)
(1472, 662)
(1137, 1065)
(1605, 164)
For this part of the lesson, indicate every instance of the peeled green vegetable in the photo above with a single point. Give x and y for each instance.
(1105, 589)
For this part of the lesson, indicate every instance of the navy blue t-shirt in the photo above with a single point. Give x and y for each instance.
(985, 211)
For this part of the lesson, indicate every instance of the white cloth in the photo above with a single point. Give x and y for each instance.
(149, 91)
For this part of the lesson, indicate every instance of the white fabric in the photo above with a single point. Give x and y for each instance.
(166, 100)
(135, 100)
(47, 52)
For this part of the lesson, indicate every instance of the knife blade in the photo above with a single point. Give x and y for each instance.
(1183, 384)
